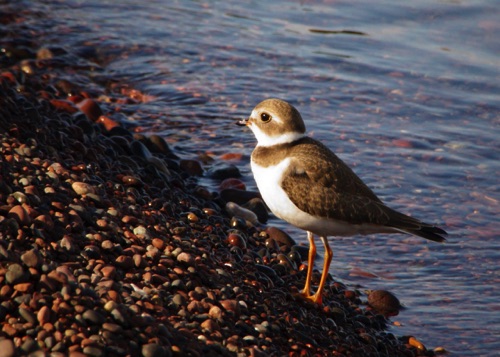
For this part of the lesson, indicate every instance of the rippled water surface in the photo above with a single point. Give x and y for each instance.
(407, 93)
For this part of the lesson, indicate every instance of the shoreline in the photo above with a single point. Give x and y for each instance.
(110, 247)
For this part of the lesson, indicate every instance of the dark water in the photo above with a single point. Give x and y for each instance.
(407, 93)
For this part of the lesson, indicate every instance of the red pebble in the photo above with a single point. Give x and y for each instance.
(64, 105)
(232, 156)
(90, 108)
(107, 122)
(402, 143)
(20, 214)
(236, 240)
(75, 98)
(232, 183)
(8, 76)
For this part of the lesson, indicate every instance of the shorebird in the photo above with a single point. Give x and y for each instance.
(306, 184)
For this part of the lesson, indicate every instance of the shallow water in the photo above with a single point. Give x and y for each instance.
(406, 93)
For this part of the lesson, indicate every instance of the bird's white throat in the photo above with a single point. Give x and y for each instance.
(265, 139)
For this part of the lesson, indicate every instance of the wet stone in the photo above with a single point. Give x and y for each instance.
(119, 131)
(299, 253)
(50, 52)
(280, 236)
(91, 109)
(192, 167)
(159, 145)
(384, 302)
(257, 206)
(222, 171)
(235, 210)
(236, 240)
(238, 196)
(232, 183)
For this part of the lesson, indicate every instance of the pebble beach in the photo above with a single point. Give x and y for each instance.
(109, 246)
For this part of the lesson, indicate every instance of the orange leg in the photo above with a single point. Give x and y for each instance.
(306, 292)
(317, 297)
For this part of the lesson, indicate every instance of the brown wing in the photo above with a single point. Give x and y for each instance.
(327, 187)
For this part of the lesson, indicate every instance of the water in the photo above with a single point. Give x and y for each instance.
(407, 93)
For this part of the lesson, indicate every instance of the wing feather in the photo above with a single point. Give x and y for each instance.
(328, 188)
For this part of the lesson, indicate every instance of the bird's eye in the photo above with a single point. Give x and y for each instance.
(265, 117)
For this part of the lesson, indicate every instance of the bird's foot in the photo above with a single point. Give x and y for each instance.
(316, 299)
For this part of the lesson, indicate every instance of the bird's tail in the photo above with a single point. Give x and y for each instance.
(410, 225)
(428, 232)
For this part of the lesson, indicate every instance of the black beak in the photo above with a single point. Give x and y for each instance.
(242, 122)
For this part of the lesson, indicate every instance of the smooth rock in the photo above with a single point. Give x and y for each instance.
(384, 302)
(7, 348)
(44, 314)
(109, 271)
(233, 183)
(222, 171)
(238, 196)
(257, 206)
(32, 258)
(27, 315)
(280, 236)
(82, 188)
(15, 274)
(235, 210)
(192, 167)
(186, 258)
(20, 214)
(154, 350)
(91, 109)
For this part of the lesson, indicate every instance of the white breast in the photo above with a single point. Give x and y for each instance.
(269, 180)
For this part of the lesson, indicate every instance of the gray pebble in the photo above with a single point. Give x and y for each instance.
(222, 171)
(154, 350)
(15, 274)
(93, 317)
(27, 315)
(29, 346)
(94, 351)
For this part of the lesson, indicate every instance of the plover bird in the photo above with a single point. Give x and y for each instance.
(307, 185)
